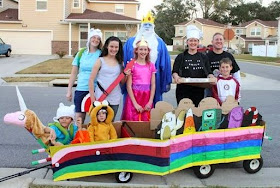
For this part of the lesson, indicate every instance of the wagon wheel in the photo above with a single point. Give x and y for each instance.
(203, 171)
(123, 177)
(252, 166)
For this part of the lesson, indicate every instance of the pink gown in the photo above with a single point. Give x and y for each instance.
(141, 87)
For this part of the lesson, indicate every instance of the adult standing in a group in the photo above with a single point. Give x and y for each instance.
(191, 64)
(215, 57)
(158, 55)
(82, 66)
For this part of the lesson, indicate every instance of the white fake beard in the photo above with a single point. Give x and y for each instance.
(151, 37)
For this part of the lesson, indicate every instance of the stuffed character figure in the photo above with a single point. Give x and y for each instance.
(101, 127)
(28, 119)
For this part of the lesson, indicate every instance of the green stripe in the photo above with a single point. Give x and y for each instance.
(214, 155)
(110, 165)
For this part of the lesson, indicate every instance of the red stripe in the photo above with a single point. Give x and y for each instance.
(130, 149)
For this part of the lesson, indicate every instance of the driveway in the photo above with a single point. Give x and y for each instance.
(15, 63)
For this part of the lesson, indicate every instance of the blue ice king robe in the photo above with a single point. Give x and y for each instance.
(162, 64)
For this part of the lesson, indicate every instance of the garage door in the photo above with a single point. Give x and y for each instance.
(28, 42)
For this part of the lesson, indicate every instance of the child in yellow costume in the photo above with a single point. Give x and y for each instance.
(101, 127)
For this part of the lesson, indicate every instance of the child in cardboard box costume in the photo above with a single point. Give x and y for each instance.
(101, 127)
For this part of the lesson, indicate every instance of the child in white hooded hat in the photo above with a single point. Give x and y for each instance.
(82, 66)
(63, 130)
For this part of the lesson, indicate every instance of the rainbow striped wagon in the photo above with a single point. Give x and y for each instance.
(125, 156)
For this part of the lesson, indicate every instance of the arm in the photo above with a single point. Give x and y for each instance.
(92, 77)
(215, 93)
(73, 76)
(237, 76)
(176, 67)
(149, 105)
(113, 133)
(91, 133)
(131, 95)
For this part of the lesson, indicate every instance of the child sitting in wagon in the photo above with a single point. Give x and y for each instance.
(101, 127)
(63, 130)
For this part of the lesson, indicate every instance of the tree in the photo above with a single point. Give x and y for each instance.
(250, 11)
(216, 10)
(169, 13)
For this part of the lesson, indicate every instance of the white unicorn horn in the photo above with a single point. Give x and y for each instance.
(22, 104)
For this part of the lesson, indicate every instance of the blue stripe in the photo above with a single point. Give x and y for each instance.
(216, 147)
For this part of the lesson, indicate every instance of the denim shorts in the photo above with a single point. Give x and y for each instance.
(78, 98)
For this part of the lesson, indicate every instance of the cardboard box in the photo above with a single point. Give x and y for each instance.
(199, 82)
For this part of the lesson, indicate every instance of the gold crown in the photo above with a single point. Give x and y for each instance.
(142, 42)
(148, 19)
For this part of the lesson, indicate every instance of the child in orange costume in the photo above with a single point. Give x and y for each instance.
(101, 127)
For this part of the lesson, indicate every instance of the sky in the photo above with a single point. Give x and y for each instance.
(147, 5)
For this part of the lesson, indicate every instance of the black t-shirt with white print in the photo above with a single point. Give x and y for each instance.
(214, 61)
(193, 66)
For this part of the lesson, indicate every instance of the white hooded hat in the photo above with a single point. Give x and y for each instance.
(194, 32)
(93, 32)
(64, 111)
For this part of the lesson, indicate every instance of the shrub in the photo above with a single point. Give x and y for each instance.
(61, 54)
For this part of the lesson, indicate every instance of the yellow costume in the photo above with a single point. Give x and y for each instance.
(100, 131)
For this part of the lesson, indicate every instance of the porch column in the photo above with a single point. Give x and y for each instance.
(278, 37)
(70, 38)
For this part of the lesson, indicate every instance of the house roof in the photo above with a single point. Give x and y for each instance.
(265, 23)
(203, 22)
(102, 17)
(9, 15)
(251, 38)
(116, 1)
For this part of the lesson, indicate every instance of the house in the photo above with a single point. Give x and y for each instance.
(208, 27)
(254, 32)
(48, 26)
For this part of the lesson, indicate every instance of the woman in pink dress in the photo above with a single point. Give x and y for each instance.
(140, 85)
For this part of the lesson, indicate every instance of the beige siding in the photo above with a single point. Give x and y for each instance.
(67, 8)
(8, 4)
(48, 20)
(76, 10)
(129, 9)
(253, 26)
(178, 29)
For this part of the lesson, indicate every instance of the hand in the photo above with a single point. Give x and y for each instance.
(79, 123)
(148, 106)
(52, 135)
(138, 108)
(69, 96)
(127, 72)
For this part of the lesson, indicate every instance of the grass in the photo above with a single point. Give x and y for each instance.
(32, 79)
(259, 59)
(51, 66)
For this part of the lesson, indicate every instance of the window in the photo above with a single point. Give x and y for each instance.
(76, 3)
(1, 3)
(250, 47)
(239, 31)
(83, 36)
(122, 35)
(180, 30)
(41, 4)
(255, 31)
(119, 9)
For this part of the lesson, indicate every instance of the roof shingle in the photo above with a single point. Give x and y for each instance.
(9, 15)
(90, 14)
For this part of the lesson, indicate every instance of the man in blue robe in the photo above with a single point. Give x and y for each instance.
(158, 55)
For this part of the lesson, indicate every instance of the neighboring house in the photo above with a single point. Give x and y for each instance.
(254, 32)
(208, 27)
(50, 26)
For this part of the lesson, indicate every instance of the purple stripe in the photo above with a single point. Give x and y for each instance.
(178, 147)
(141, 87)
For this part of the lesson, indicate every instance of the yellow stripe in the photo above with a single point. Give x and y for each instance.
(216, 161)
